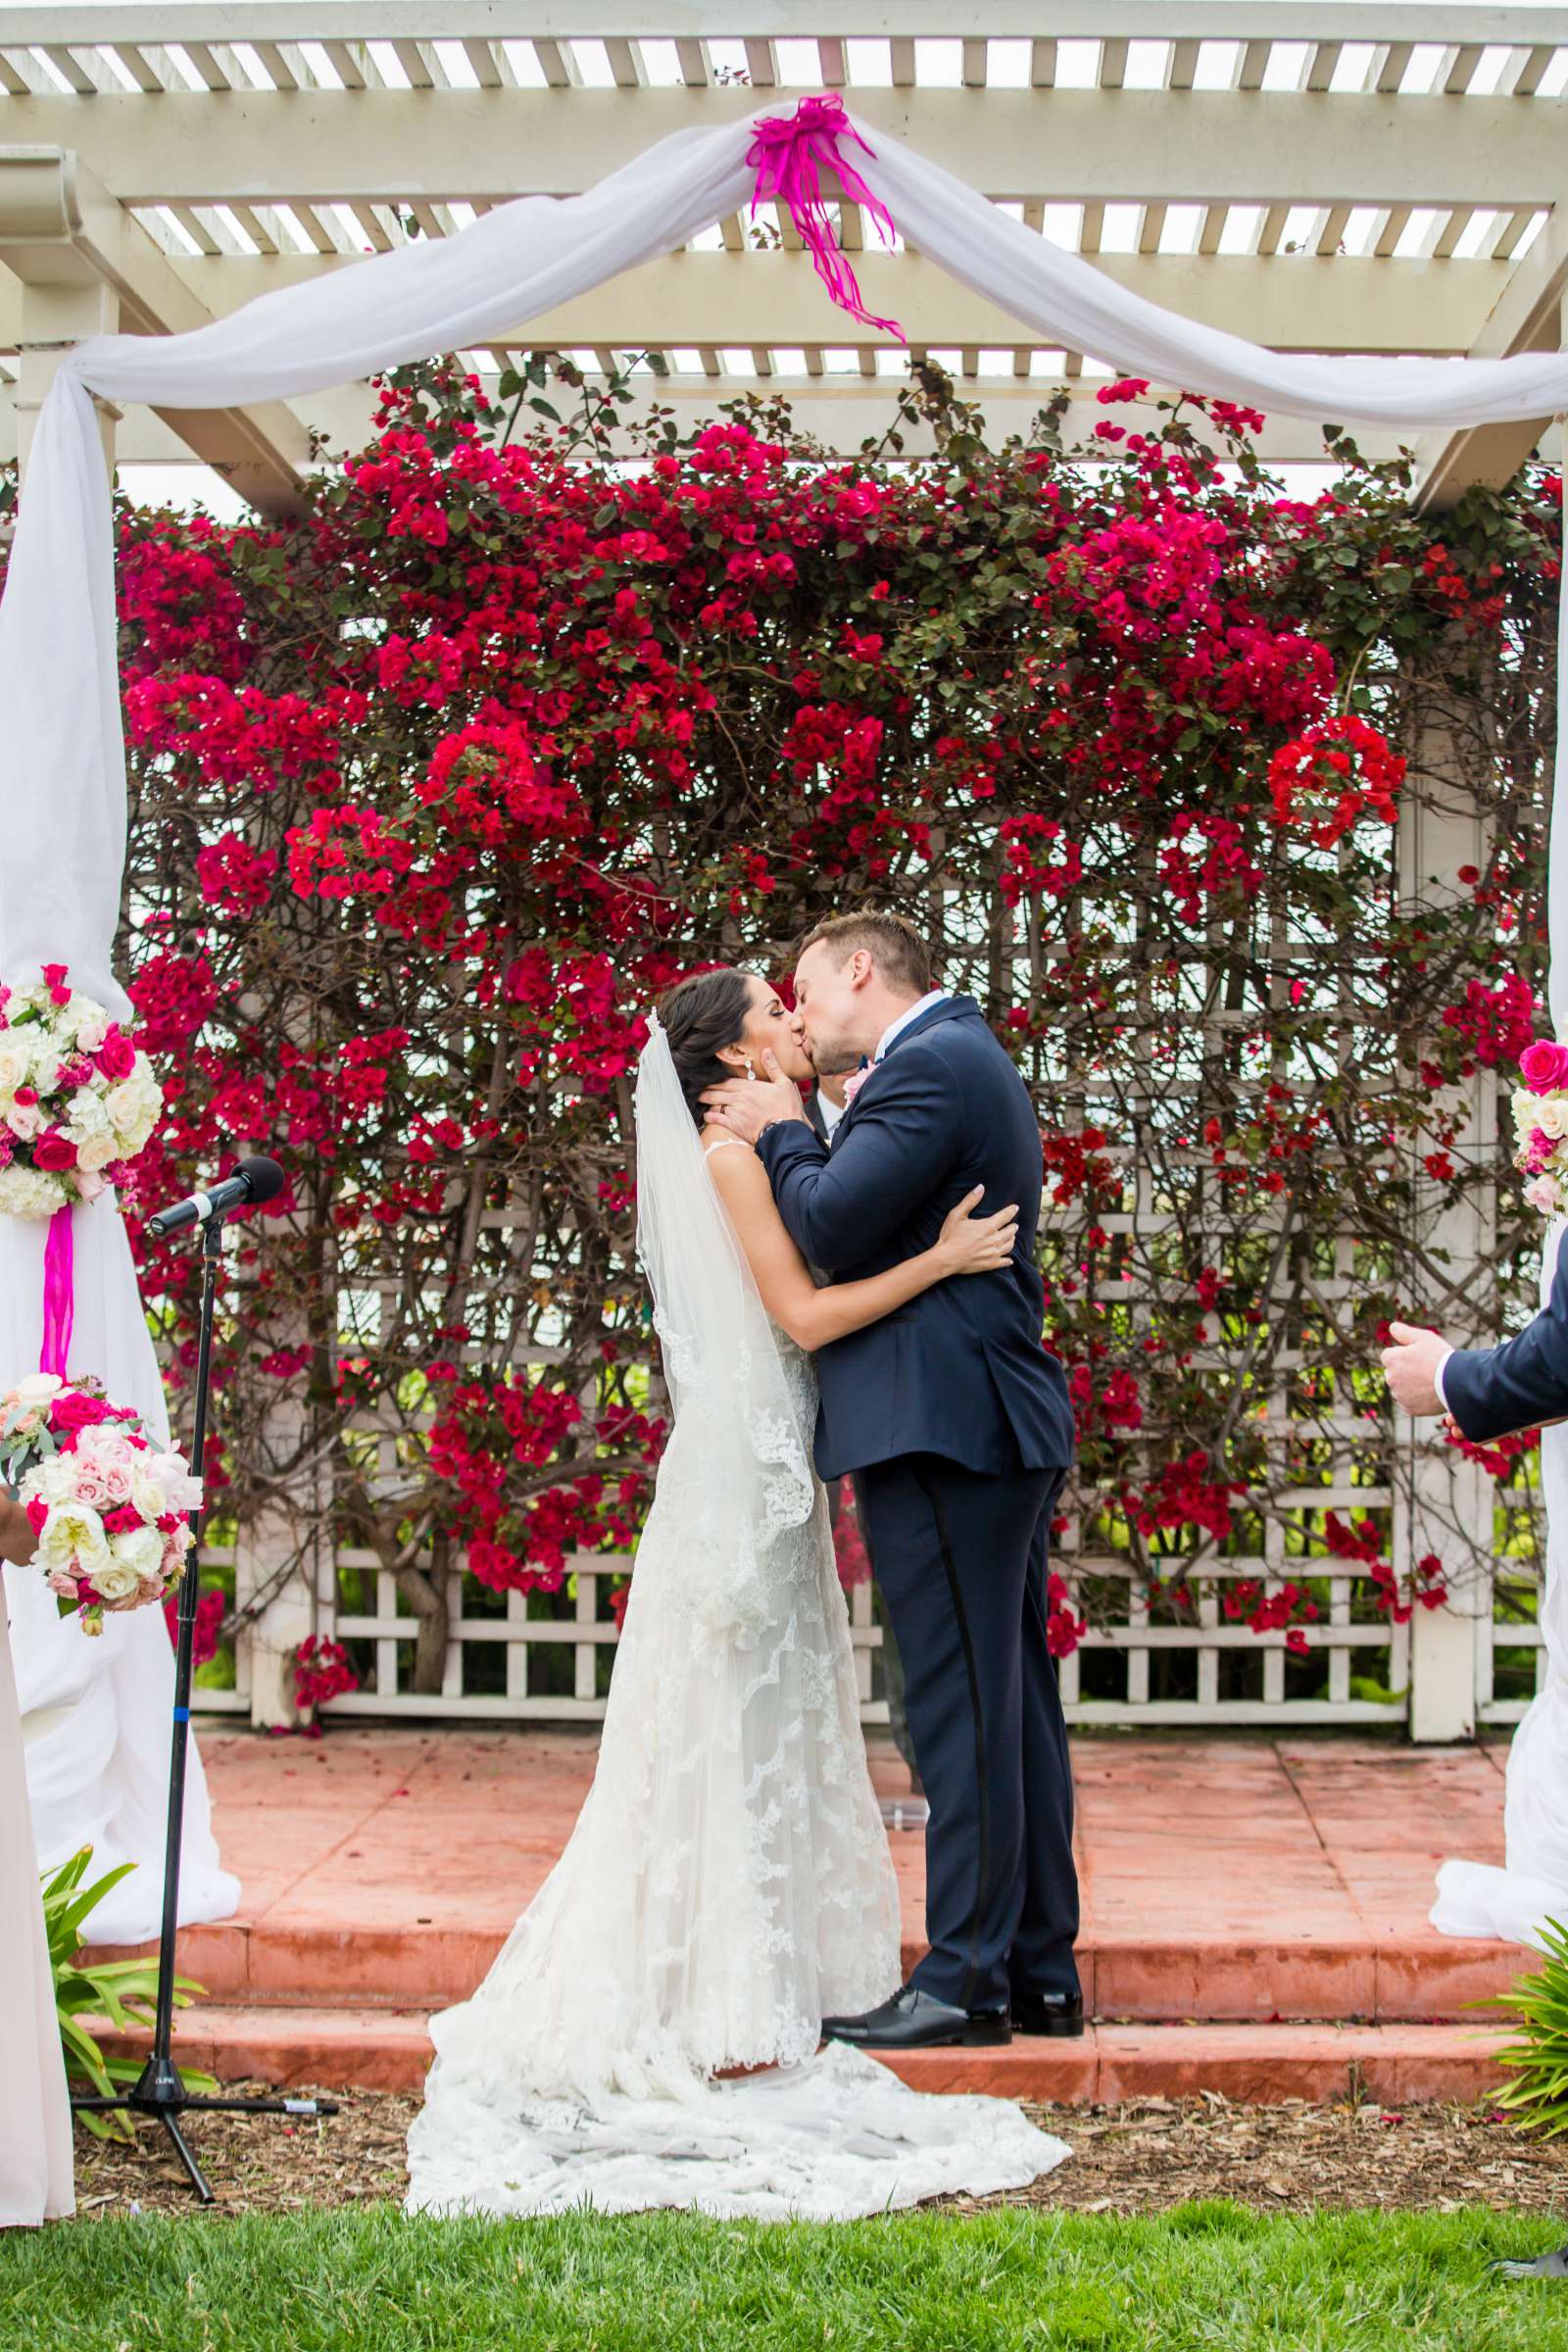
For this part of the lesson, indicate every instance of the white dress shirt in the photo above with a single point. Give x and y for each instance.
(1437, 1378)
(831, 1111)
(934, 996)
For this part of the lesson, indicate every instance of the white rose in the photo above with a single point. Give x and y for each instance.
(95, 1154)
(133, 1107)
(38, 1386)
(25, 1120)
(116, 1580)
(141, 1551)
(73, 1538)
(15, 1063)
(1551, 1116)
(147, 1494)
(92, 1025)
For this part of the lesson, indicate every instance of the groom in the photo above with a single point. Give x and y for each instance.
(956, 1425)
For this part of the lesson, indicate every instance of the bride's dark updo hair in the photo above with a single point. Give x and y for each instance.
(700, 1016)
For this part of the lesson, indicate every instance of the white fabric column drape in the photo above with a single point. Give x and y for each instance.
(62, 782)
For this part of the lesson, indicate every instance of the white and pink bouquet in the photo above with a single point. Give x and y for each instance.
(110, 1510)
(1540, 1124)
(77, 1096)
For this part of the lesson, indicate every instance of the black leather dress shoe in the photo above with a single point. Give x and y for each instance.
(916, 2021)
(1058, 2014)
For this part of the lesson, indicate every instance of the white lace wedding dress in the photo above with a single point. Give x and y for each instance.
(728, 1881)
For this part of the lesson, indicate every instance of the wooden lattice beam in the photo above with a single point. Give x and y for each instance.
(58, 226)
(1528, 316)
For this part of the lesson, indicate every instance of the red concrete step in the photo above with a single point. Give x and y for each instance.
(385, 2049)
(1169, 1977)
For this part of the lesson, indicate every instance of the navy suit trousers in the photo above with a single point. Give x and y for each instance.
(962, 1558)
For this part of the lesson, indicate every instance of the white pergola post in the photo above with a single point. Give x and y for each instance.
(1444, 1505)
(53, 317)
(272, 1575)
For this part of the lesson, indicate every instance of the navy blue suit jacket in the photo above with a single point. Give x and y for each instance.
(960, 1370)
(1493, 1391)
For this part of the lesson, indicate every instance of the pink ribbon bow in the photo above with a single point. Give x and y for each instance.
(786, 152)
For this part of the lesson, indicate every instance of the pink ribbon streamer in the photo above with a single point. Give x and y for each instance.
(786, 152)
(58, 1293)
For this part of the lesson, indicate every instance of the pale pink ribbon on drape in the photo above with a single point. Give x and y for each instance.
(786, 152)
(58, 1293)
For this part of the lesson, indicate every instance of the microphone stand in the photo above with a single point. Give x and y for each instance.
(160, 2090)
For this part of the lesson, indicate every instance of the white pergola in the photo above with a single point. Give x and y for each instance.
(1326, 175)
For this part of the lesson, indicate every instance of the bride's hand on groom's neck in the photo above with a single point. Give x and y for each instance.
(746, 1105)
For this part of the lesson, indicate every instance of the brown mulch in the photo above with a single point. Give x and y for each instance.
(1136, 2158)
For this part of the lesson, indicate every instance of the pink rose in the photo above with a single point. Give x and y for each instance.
(24, 1120)
(1544, 1065)
(92, 1487)
(854, 1083)
(74, 1409)
(116, 1480)
(54, 1152)
(117, 1055)
(61, 1581)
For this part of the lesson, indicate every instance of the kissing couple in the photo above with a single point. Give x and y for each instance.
(650, 2033)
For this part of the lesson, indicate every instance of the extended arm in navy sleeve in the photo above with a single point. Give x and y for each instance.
(1493, 1390)
(905, 1139)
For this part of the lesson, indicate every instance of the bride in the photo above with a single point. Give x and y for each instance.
(648, 2034)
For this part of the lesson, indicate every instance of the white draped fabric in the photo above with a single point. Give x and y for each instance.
(98, 1711)
(36, 2182)
(62, 786)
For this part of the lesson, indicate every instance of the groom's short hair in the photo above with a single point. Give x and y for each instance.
(891, 941)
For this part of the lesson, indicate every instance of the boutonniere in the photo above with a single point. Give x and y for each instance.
(854, 1081)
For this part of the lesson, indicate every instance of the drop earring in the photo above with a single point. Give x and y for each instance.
(749, 1072)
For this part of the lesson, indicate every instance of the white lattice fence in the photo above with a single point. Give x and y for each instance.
(1510, 1648)
(1380, 1651)
(496, 1664)
(511, 1666)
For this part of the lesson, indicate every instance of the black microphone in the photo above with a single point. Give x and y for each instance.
(253, 1181)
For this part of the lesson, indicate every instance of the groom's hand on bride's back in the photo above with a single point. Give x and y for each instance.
(746, 1105)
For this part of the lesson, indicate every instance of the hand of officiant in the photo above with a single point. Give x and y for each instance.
(746, 1105)
(1410, 1366)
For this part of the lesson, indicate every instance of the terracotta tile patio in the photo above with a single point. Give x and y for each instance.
(1254, 1908)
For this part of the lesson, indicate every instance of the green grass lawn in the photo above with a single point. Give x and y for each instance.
(1210, 2276)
